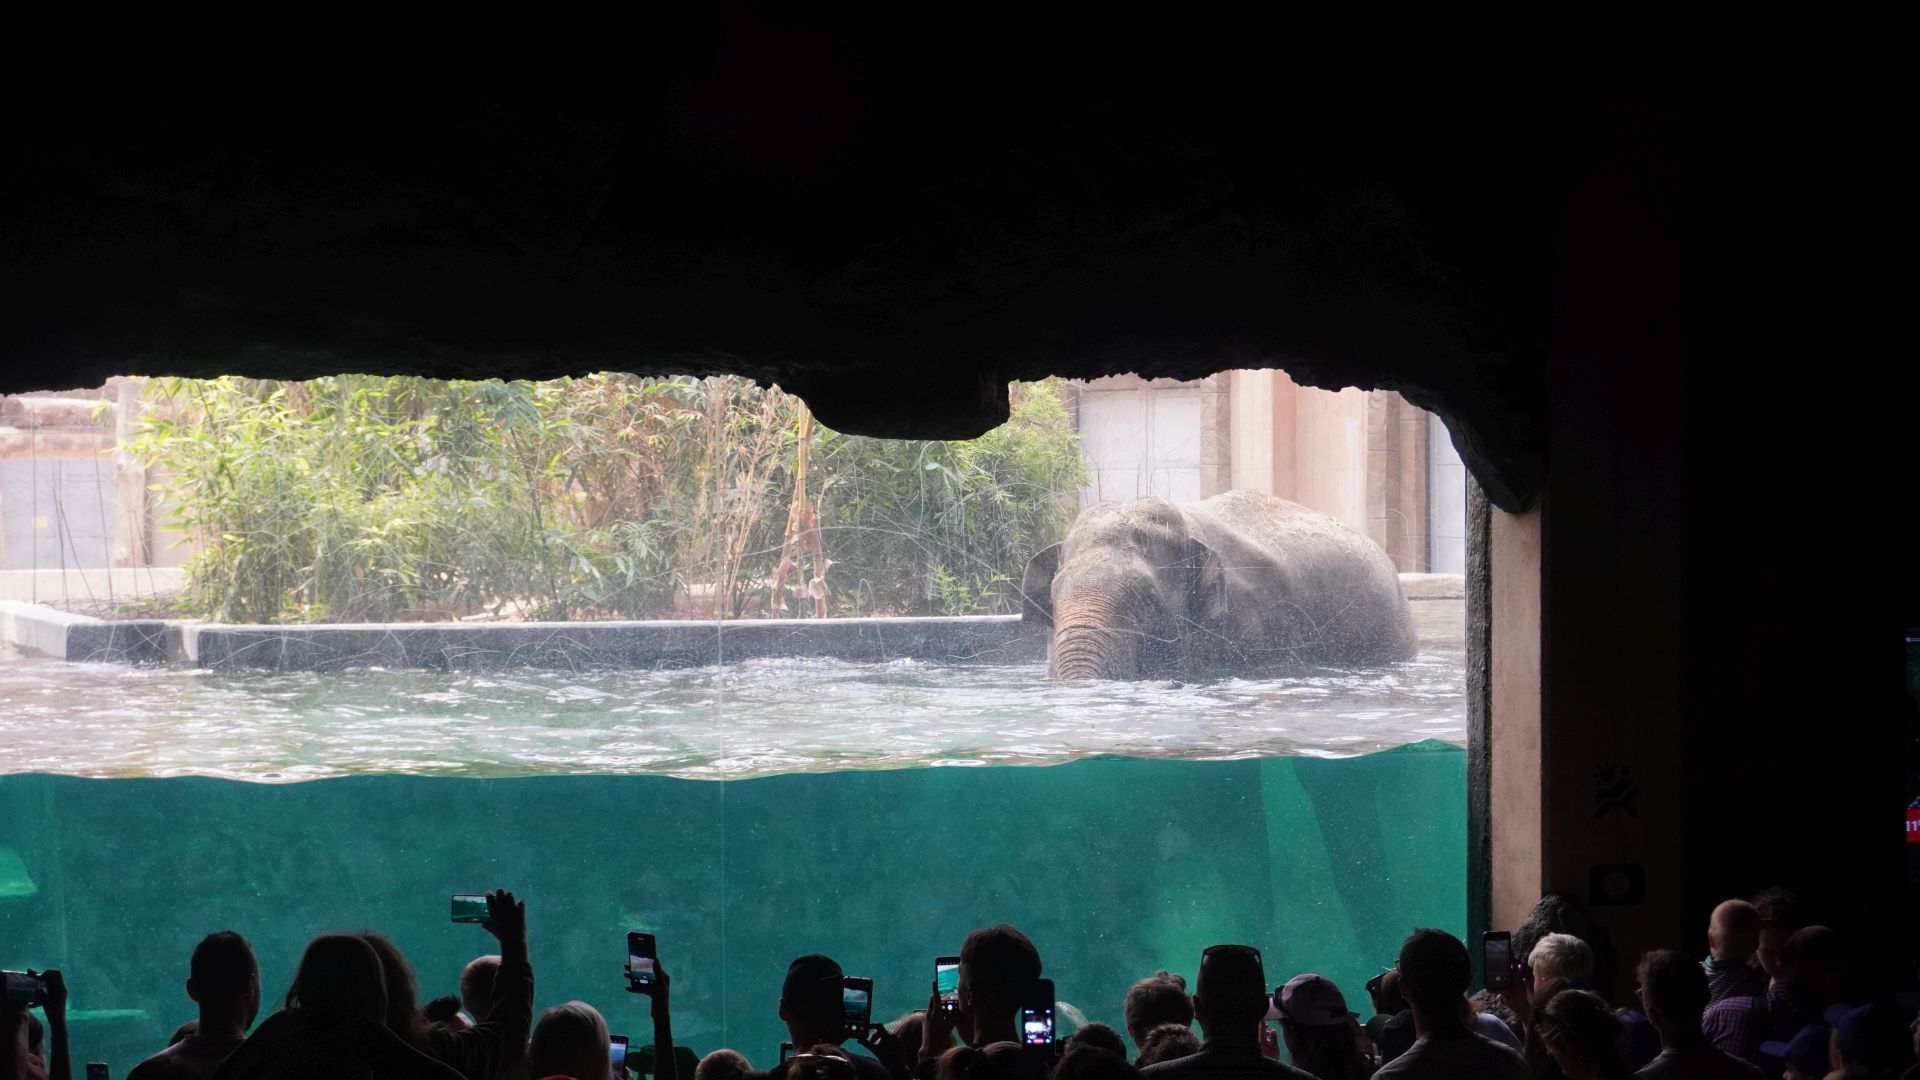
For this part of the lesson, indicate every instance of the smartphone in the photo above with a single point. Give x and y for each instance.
(97, 1070)
(786, 1051)
(1496, 959)
(856, 1001)
(469, 907)
(946, 980)
(616, 1051)
(640, 958)
(1036, 1016)
(23, 989)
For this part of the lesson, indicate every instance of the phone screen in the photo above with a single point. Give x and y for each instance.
(1497, 959)
(1036, 1017)
(786, 1051)
(946, 980)
(469, 907)
(856, 1000)
(640, 957)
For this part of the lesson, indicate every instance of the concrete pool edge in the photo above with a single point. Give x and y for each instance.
(1437, 599)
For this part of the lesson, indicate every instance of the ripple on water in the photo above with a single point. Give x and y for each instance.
(754, 718)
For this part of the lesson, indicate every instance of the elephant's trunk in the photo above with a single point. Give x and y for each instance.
(1090, 641)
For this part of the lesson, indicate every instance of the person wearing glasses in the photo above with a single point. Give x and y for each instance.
(1231, 1001)
(1435, 973)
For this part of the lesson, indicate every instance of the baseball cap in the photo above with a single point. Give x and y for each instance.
(805, 974)
(1873, 1036)
(1311, 1001)
(1807, 1050)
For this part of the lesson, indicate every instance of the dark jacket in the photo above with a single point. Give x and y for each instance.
(298, 1044)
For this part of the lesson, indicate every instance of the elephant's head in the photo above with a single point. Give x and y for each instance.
(1130, 594)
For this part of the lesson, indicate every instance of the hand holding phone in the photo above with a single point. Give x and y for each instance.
(617, 1051)
(946, 983)
(856, 1004)
(1496, 959)
(643, 960)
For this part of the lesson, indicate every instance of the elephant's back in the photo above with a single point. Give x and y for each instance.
(1322, 588)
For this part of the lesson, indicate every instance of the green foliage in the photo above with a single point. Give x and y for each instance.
(369, 498)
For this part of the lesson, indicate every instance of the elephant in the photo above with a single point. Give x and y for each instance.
(1240, 583)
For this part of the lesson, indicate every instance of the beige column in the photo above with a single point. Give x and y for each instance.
(1516, 752)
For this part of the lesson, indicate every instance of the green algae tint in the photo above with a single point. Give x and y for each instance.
(1115, 866)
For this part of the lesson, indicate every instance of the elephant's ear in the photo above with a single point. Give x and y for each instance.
(1036, 587)
(1205, 585)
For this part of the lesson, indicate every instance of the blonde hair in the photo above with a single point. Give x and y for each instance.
(570, 1040)
(1562, 956)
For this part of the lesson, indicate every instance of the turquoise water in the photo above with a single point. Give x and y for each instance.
(1166, 818)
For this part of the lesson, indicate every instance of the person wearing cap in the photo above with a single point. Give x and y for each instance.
(1674, 991)
(1806, 1056)
(1435, 973)
(815, 1015)
(1232, 1002)
(1871, 1040)
(1322, 1036)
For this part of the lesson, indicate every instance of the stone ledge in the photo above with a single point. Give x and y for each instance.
(65, 636)
(656, 643)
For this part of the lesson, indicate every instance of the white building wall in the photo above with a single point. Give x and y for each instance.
(1446, 501)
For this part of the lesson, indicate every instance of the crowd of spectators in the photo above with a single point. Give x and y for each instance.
(1768, 997)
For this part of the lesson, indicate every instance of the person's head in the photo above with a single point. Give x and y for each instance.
(340, 974)
(1101, 1036)
(1733, 931)
(811, 1004)
(1561, 956)
(223, 978)
(821, 1061)
(723, 1065)
(1779, 911)
(1385, 992)
(1673, 990)
(476, 986)
(570, 1040)
(1085, 1061)
(444, 1012)
(1435, 972)
(1161, 998)
(1230, 997)
(1320, 1031)
(1166, 1043)
(997, 966)
(1813, 962)
(1583, 1035)
(910, 1030)
(1873, 1038)
(997, 1061)
(403, 1015)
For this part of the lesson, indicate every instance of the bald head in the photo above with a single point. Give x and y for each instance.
(1733, 933)
(476, 987)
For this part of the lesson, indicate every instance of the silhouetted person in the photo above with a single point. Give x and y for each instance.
(1674, 991)
(333, 1025)
(1231, 1001)
(1166, 1043)
(570, 1040)
(476, 986)
(995, 1061)
(998, 965)
(1780, 917)
(1159, 999)
(444, 1012)
(20, 1052)
(1434, 975)
(723, 1065)
(223, 979)
(1807, 978)
(1872, 1041)
(492, 1047)
(814, 1011)
(1087, 1061)
(1322, 1035)
(1097, 1035)
(1584, 1037)
(1733, 936)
